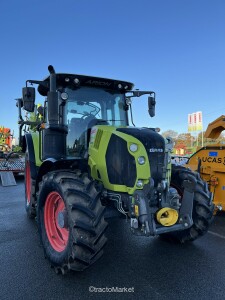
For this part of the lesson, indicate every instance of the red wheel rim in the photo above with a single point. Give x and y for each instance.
(57, 236)
(28, 181)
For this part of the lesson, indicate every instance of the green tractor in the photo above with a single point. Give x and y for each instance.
(83, 162)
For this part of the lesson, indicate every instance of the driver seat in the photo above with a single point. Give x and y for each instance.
(95, 122)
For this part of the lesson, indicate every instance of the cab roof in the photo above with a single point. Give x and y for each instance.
(75, 81)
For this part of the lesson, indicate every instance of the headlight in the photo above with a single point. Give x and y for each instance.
(139, 183)
(133, 147)
(141, 160)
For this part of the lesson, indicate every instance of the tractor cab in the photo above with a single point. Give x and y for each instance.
(75, 104)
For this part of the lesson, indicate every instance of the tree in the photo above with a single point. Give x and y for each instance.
(171, 133)
(185, 138)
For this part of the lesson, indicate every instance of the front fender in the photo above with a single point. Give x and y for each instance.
(31, 147)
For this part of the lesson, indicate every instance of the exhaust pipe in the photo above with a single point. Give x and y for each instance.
(53, 111)
(52, 87)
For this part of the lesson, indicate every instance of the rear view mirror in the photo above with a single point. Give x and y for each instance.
(28, 98)
(151, 106)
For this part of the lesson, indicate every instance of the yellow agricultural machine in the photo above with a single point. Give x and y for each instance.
(209, 161)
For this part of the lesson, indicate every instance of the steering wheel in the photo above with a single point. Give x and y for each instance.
(86, 119)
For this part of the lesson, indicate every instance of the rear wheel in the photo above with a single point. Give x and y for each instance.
(29, 194)
(202, 206)
(70, 220)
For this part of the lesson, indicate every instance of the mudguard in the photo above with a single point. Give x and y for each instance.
(31, 147)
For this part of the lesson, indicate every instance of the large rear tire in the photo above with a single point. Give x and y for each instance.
(70, 220)
(202, 206)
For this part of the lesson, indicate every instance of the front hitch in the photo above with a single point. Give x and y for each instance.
(143, 217)
(142, 222)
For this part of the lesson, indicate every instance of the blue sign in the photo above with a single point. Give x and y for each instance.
(213, 153)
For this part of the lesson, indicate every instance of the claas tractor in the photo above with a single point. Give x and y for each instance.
(84, 160)
(209, 161)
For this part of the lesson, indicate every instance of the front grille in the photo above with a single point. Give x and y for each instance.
(120, 163)
(155, 147)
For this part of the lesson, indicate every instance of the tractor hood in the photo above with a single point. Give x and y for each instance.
(113, 160)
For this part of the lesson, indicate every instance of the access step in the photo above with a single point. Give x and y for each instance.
(7, 178)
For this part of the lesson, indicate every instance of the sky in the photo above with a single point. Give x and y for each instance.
(173, 47)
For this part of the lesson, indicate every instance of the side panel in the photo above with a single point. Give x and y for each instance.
(98, 157)
(210, 161)
(35, 138)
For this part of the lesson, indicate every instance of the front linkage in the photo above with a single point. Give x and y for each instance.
(177, 209)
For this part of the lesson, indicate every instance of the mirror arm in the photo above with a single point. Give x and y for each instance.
(140, 93)
(35, 82)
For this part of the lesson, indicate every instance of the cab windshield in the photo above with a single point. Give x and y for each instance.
(97, 103)
(87, 107)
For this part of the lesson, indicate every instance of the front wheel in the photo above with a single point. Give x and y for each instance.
(70, 220)
(203, 208)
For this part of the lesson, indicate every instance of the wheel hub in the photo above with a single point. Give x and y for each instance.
(62, 219)
(56, 220)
